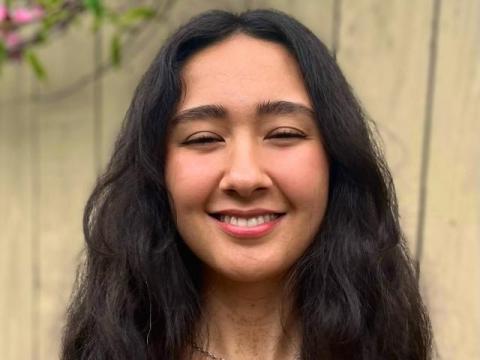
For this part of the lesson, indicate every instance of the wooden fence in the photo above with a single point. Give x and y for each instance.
(415, 66)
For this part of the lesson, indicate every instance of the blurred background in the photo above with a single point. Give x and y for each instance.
(68, 72)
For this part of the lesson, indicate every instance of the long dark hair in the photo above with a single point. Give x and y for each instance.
(137, 295)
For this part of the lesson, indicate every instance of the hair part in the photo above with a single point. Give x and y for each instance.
(138, 293)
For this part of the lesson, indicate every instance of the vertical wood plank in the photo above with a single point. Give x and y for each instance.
(119, 84)
(383, 50)
(66, 167)
(17, 292)
(451, 259)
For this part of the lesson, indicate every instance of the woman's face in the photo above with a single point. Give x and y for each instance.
(244, 144)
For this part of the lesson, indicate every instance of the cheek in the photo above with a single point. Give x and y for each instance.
(303, 175)
(183, 173)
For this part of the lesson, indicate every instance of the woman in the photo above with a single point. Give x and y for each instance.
(246, 212)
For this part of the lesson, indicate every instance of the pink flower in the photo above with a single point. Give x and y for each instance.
(10, 23)
(3, 13)
(25, 15)
(11, 40)
(21, 15)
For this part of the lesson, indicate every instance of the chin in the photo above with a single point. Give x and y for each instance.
(249, 273)
(248, 277)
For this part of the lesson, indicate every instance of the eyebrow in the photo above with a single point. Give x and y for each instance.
(215, 111)
(283, 108)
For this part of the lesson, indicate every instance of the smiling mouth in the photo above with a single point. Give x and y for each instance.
(247, 222)
(254, 227)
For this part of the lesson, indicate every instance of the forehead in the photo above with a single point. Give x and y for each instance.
(240, 72)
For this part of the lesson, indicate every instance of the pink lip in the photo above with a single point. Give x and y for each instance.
(251, 232)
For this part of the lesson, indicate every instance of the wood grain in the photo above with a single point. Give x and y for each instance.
(383, 50)
(18, 290)
(451, 259)
(65, 170)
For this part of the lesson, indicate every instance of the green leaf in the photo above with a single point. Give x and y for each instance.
(97, 24)
(42, 36)
(116, 50)
(3, 55)
(135, 15)
(48, 3)
(95, 6)
(36, 65)
(3, 52)
(54, 18)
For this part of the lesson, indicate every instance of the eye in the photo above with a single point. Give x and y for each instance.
(201, 139)
(287, 134)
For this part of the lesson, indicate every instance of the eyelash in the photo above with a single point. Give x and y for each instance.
(284, 134)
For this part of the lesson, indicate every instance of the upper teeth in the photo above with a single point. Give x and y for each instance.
(248, 222)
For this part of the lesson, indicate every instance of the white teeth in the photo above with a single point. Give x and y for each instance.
(241, 222)
(248, 222)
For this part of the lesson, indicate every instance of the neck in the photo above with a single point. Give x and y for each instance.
(248, 320)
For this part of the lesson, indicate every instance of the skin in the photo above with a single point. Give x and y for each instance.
(246, 167)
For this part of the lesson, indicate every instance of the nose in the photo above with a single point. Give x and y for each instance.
(244, 172)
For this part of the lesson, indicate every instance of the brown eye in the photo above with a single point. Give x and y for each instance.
(286, 134)
(202, 139)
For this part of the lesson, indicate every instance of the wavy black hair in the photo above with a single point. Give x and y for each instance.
(137, 295)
